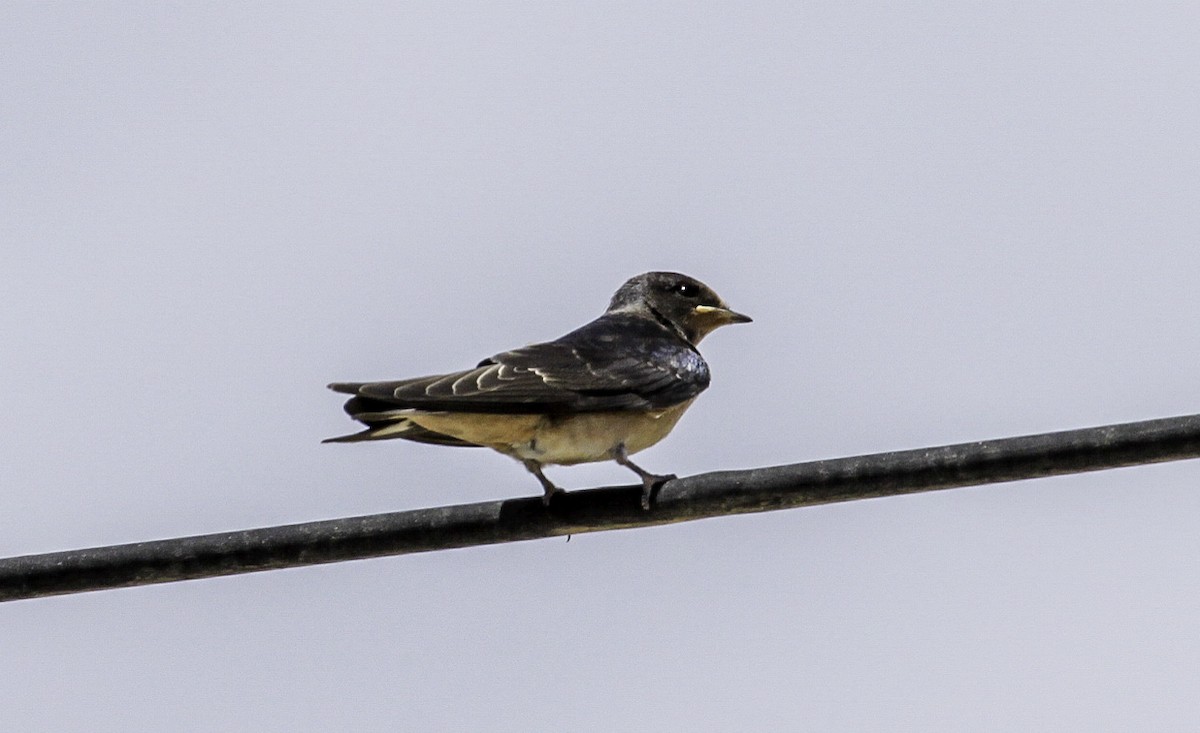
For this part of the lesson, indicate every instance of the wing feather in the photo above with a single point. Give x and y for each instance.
(616, 362)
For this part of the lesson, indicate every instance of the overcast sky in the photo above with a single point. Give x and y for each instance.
(950, 221)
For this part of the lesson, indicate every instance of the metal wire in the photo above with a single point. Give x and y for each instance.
(695, 497)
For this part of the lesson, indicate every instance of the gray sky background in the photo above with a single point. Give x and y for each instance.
(951, 221)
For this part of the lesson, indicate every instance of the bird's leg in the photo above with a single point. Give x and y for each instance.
(547, 485)
(649, 480)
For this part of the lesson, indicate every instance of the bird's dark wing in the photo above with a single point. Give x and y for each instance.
(616, 362)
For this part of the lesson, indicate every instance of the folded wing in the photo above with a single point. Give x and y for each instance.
(614, 363)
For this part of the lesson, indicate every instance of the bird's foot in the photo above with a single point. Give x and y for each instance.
(650, 481)
(650, 484)
(547, 485)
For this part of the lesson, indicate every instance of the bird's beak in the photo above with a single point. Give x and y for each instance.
(722, 315)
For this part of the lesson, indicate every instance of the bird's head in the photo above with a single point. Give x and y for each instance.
(684, 303)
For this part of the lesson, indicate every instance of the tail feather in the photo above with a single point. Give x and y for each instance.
(385, 421)
(384, 427)
(353, 437)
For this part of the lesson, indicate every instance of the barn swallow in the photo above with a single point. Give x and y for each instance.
(604, 391)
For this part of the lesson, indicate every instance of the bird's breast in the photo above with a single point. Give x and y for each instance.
(593, 436)
(558, 439)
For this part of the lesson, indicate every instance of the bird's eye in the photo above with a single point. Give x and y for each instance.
(687, 290)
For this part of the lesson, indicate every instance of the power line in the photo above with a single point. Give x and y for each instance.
(720, 493)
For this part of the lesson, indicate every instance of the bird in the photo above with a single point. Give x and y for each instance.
(605, 391)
